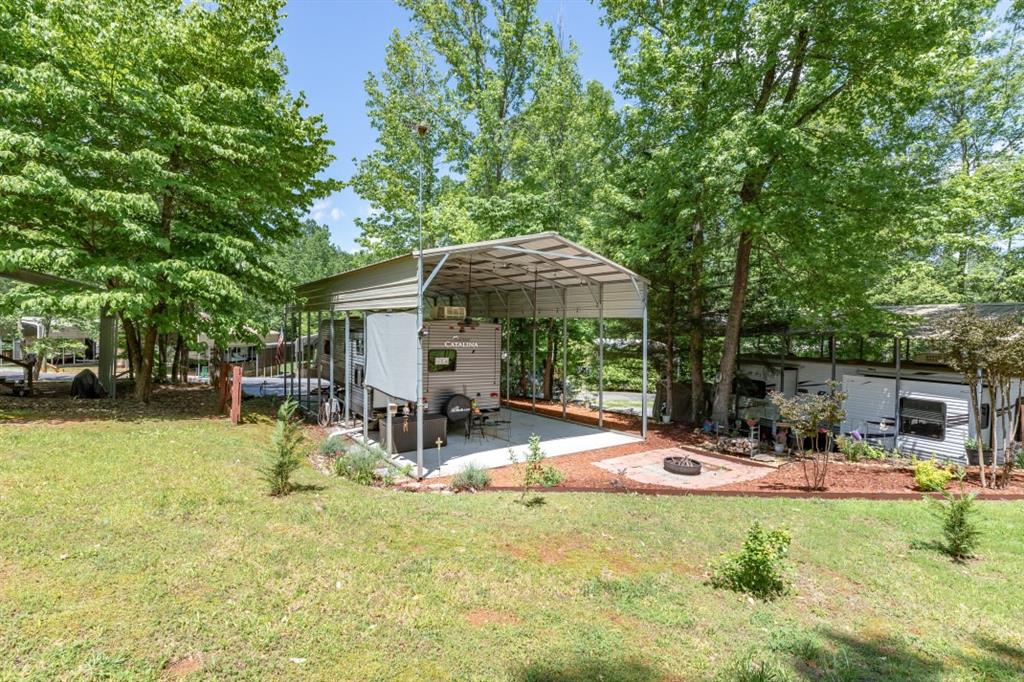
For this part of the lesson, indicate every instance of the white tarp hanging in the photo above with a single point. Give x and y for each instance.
(391, 354)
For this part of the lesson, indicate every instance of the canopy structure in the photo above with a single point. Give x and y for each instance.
(498, 278)
(108, 323)
(541, 275)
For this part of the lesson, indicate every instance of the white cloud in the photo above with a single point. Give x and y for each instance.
(322, 210)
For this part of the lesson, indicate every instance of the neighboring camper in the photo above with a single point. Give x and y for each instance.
(934, 412)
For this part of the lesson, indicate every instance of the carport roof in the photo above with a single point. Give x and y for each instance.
(491, 275)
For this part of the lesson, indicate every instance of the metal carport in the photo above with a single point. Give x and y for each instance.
(541, 275)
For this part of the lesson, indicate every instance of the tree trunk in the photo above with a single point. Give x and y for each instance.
(730, 345)
(161, 365)
(697, 398)
(179, 363)
(144, 373)
(131, 338)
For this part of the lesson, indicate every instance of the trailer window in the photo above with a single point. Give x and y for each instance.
(923, 418)
(441, 360)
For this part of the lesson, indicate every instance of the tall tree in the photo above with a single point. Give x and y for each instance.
(806, 112)
(152, 147)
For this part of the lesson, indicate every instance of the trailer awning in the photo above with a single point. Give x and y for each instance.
(543, 274)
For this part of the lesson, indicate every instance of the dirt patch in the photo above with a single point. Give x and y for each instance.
(183, 667)
(482, 617)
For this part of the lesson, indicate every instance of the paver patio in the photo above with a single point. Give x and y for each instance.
(647, 467)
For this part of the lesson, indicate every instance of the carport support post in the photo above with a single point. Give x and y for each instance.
(419, 359)
(533, 360)
(332, 354)
(309, 323)
(643, 379)
(565, 353)
(896, 408)
(832, 355)
(348, 366)
(600, 356)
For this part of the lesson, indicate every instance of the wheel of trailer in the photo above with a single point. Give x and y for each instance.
(323, 418)
(458, 408)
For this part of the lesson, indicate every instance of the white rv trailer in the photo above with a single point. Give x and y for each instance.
(460, 358)
(934, 414)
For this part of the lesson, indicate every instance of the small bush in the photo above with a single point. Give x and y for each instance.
(360, 463)
(471, 477)
(550, 477)
(284, 457)
(959, 526)
(534, 472)
(335, 445)
(759, 568)
(858, 450)
(930, 476)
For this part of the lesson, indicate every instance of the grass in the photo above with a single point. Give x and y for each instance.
(131, 550)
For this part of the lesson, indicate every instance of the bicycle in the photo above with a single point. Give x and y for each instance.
(329, 412)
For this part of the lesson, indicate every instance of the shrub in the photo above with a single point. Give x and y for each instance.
(959, 527)
(335, 445)
(360, 463)
(550, 477)
(534, 472)
(930, 476)
(810, 416)
(284, 456)
(858, 450)
(759, 568)
(471, 477)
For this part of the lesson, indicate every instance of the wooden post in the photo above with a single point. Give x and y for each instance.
(236, 394)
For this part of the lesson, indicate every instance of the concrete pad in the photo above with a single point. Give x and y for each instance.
(647, 467)
(557, 438)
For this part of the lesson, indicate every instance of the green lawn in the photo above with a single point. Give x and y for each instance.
(128, 547)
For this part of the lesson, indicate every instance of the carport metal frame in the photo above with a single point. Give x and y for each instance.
(512, 277)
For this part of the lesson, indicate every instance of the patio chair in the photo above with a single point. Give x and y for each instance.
(501, 426)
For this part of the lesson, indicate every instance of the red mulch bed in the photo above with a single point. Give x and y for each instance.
(862, 477)
(870, 479)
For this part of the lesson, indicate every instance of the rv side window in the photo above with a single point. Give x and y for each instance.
(923, 418)
(986, 411)
(441, 360)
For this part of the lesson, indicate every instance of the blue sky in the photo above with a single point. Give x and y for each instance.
(330, 47)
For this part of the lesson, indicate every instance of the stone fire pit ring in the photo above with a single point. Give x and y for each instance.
(682, 465)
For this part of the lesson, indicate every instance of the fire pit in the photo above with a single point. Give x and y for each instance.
(682, 465)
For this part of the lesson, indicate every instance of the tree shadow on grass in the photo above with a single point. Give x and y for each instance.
(587, 670)
(890, 658)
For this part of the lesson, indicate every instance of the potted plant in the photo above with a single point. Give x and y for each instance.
(971, 448)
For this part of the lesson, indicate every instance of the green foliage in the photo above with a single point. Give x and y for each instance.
(957, 514)
(550, 477)
(750, 669)
(858, 450)
(515, 140)
(931, 476)
(361, 463)
(333, 446)
(532, 471)
(471, 477)
(809, 414)
(134, 161)
(284, 456)
(759, 568)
